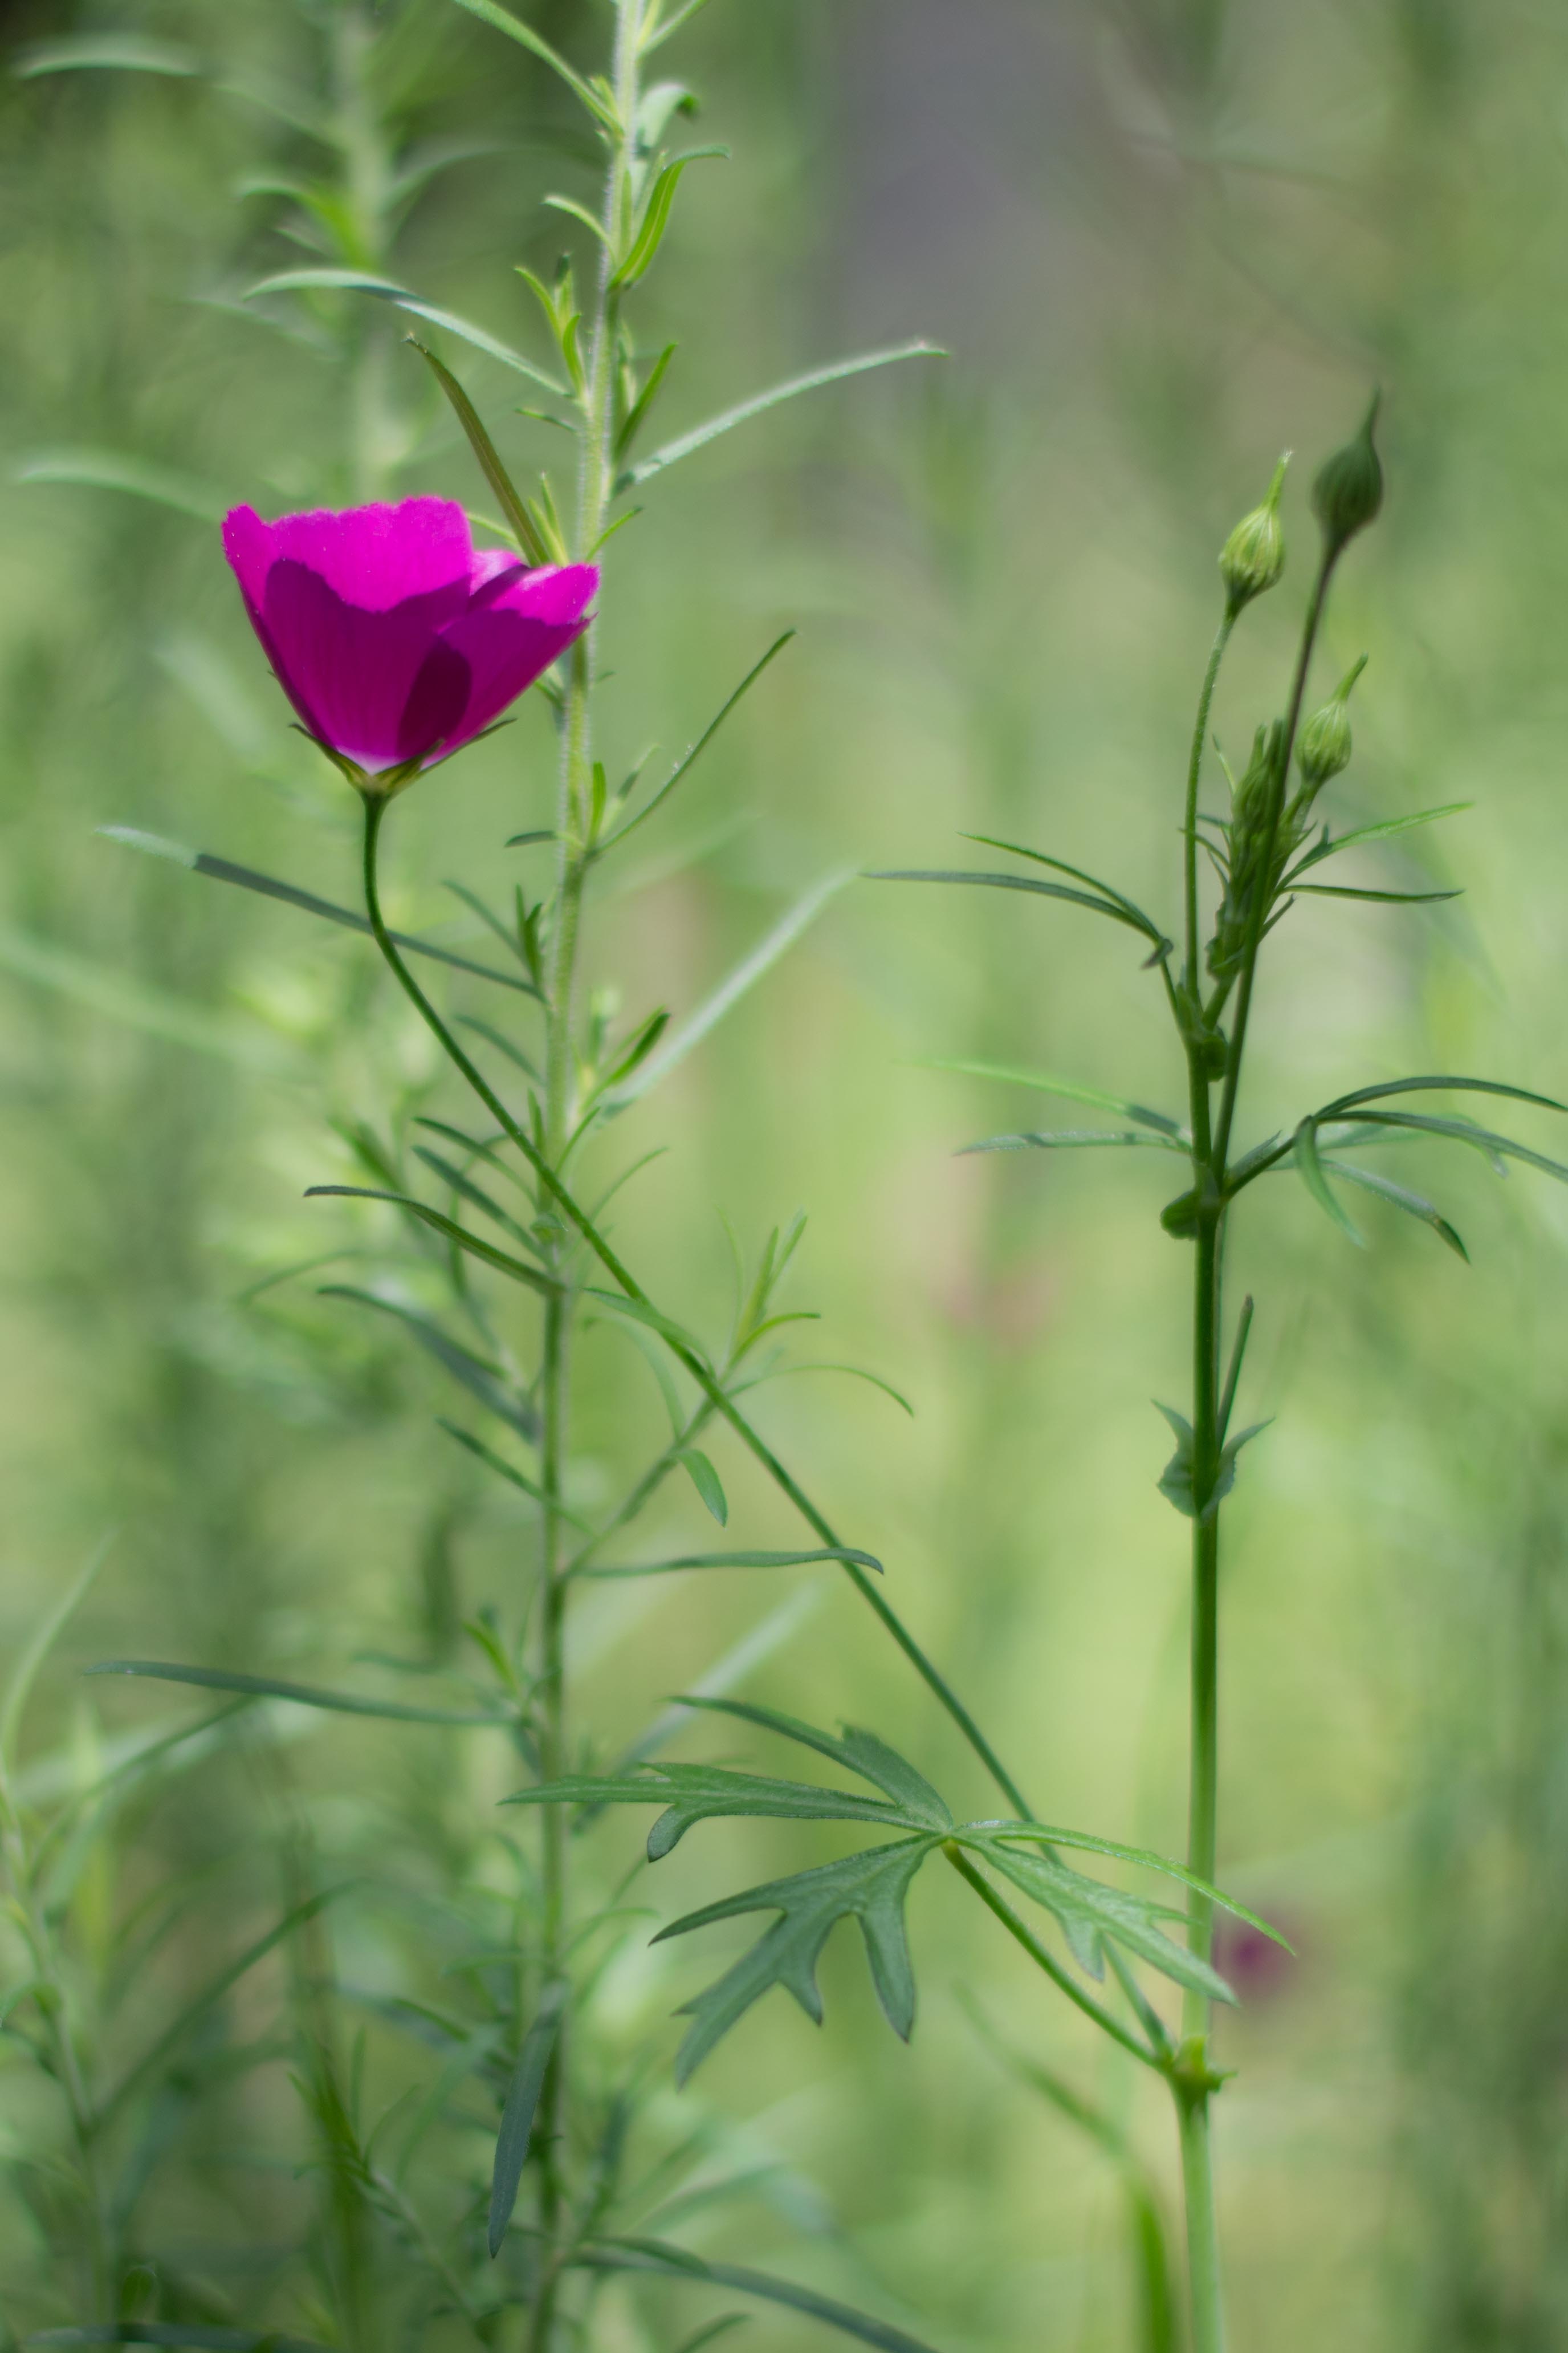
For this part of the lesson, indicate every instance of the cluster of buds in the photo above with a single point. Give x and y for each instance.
(1247, 842)
(1346, 497)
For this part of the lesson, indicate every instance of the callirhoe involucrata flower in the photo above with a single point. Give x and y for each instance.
(396, 640)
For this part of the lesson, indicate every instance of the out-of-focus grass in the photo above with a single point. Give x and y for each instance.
(1164, 241)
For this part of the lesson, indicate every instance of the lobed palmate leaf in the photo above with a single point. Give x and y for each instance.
(872, 1886)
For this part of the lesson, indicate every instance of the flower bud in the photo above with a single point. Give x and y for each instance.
(1325, 745)
(1253, 557)
(1348, 491)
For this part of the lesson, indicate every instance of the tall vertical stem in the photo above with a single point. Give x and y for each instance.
(574, 849)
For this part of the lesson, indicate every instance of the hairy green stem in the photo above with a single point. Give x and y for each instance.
(574, 852)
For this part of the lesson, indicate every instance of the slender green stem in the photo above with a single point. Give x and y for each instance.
(1208, 2316)
(1053, 1969)
(1191, 973)
(575, 851)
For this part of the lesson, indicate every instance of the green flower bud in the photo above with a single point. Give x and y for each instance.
(1348, 491)
(1325, 745)
(1253, 557)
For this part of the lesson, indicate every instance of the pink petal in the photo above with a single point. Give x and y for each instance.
(372, 556)
(380, 687)
(516, 625)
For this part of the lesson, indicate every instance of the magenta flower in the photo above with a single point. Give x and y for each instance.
(394, 639)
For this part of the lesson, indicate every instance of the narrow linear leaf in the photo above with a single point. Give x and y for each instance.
(505, 22)
(856, 1372)
(475, 1195)
(1413, 1203)
(35, 1651)
(637, 1311)
(732, 1560)
(761, 2285)
(222, 869)
(689, 760)
(656, 216)
(641, 408)
(1100, 906)
(1311, 1168)
(291, 282)
(574, 211)
(697, 1025)
(116, 52)
(1425, 1085)
(517, 2117)
(1381, 832)
(700, 435)
(301, 1694)
(1074, 1139)
(1069, 1088)
(1464, 1130)
(481, 1380)
(1059, 865)
(108, 469)
(513, 506)
(707, 1482)
(532, 1277)
(1387, 898)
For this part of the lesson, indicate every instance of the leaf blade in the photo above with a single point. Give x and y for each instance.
(165, 1671)
(757, 405)
(517, 2117)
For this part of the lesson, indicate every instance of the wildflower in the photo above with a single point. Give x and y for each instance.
(394, 640)
(1253, 557)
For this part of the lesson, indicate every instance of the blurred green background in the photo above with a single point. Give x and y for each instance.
(1161, 239)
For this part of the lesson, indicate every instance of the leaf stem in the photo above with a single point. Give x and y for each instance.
(1043, 1959)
